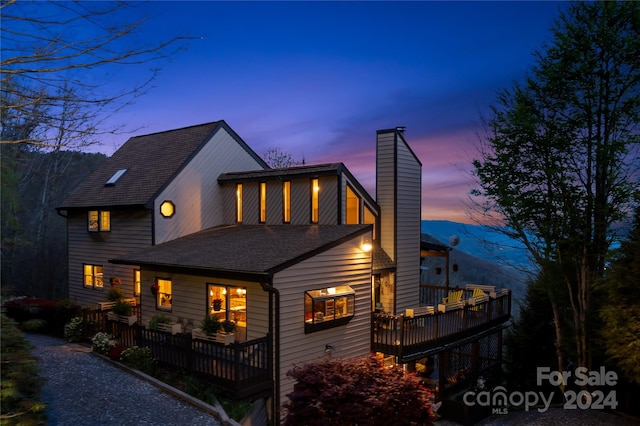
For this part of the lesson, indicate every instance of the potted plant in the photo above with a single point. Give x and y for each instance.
(115, 294)
(228, 326)
(123, 312)
(211, 325)
(164, 323)
(115, 281)
(217, 304)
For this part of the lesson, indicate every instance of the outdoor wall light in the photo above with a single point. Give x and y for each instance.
(366, 244)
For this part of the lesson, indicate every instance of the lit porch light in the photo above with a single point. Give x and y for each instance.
(366, 244)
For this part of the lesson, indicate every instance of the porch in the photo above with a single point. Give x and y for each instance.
(241, 368)
(439, 323)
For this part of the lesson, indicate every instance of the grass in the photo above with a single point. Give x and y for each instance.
(20, 380)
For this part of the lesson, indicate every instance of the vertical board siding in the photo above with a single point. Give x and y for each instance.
(342, 265)
(408, 199)
(130, 231)
(195, 190)
(300, 202)
(385, 191)
(328, 208)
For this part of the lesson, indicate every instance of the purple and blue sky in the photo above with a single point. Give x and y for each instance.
(317, 79)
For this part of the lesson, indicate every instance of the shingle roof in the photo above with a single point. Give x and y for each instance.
(151, 161)
(381, 261)
(296, 171)
(250, 249)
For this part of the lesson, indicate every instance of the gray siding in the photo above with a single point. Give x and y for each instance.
(190, 300)
(130, 231)
(300, 201)
(346, 264)
(195, 191)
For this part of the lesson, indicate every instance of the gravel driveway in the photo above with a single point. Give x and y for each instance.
(82, 389)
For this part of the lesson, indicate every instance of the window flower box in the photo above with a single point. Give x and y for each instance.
(197, 333)
(226, 338)
(127, 319)
(169, 328)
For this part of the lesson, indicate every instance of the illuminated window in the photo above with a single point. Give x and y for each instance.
(370, 219)
(239, 203)
(315, 193)
(286, 201)
(99, 221)
(263, 202)
(93, 276)
(328, 307)
(353, 207)
(164, 296)
(167, 209)
(136, 282)
(229, 303)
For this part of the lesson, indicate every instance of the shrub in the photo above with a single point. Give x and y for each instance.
(27, 308)
(138, 358)
(159, 319)
(34, 324)
(122, 308)
(74, 330)
(356, 392)
(102, 343)
(211, 324)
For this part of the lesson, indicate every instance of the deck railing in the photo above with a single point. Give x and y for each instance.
(404, 336)
(244, 368)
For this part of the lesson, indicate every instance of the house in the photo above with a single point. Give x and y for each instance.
(302, 259)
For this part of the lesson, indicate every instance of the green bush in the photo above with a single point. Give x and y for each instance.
(19, 379)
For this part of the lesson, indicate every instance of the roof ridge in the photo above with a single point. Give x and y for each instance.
(178, 129)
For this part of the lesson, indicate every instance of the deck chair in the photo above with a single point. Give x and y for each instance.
(478, 296)
(454, 296)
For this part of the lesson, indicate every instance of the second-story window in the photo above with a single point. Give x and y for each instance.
(99, 220)
(263, 202)
(286, 201)
(315, 197)
(353, 207)
(239, 203)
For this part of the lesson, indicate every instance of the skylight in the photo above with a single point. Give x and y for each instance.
(117, 175)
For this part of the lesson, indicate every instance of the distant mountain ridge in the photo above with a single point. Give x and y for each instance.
(481, 257)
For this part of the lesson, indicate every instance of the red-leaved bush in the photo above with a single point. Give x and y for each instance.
(356, 393)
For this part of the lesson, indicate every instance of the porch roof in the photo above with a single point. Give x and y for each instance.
(244, 249)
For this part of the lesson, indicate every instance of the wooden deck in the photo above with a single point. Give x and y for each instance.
(410, 337)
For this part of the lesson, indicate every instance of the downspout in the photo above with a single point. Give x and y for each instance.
(268, 286)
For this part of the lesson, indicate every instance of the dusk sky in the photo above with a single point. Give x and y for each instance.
(317, 79)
